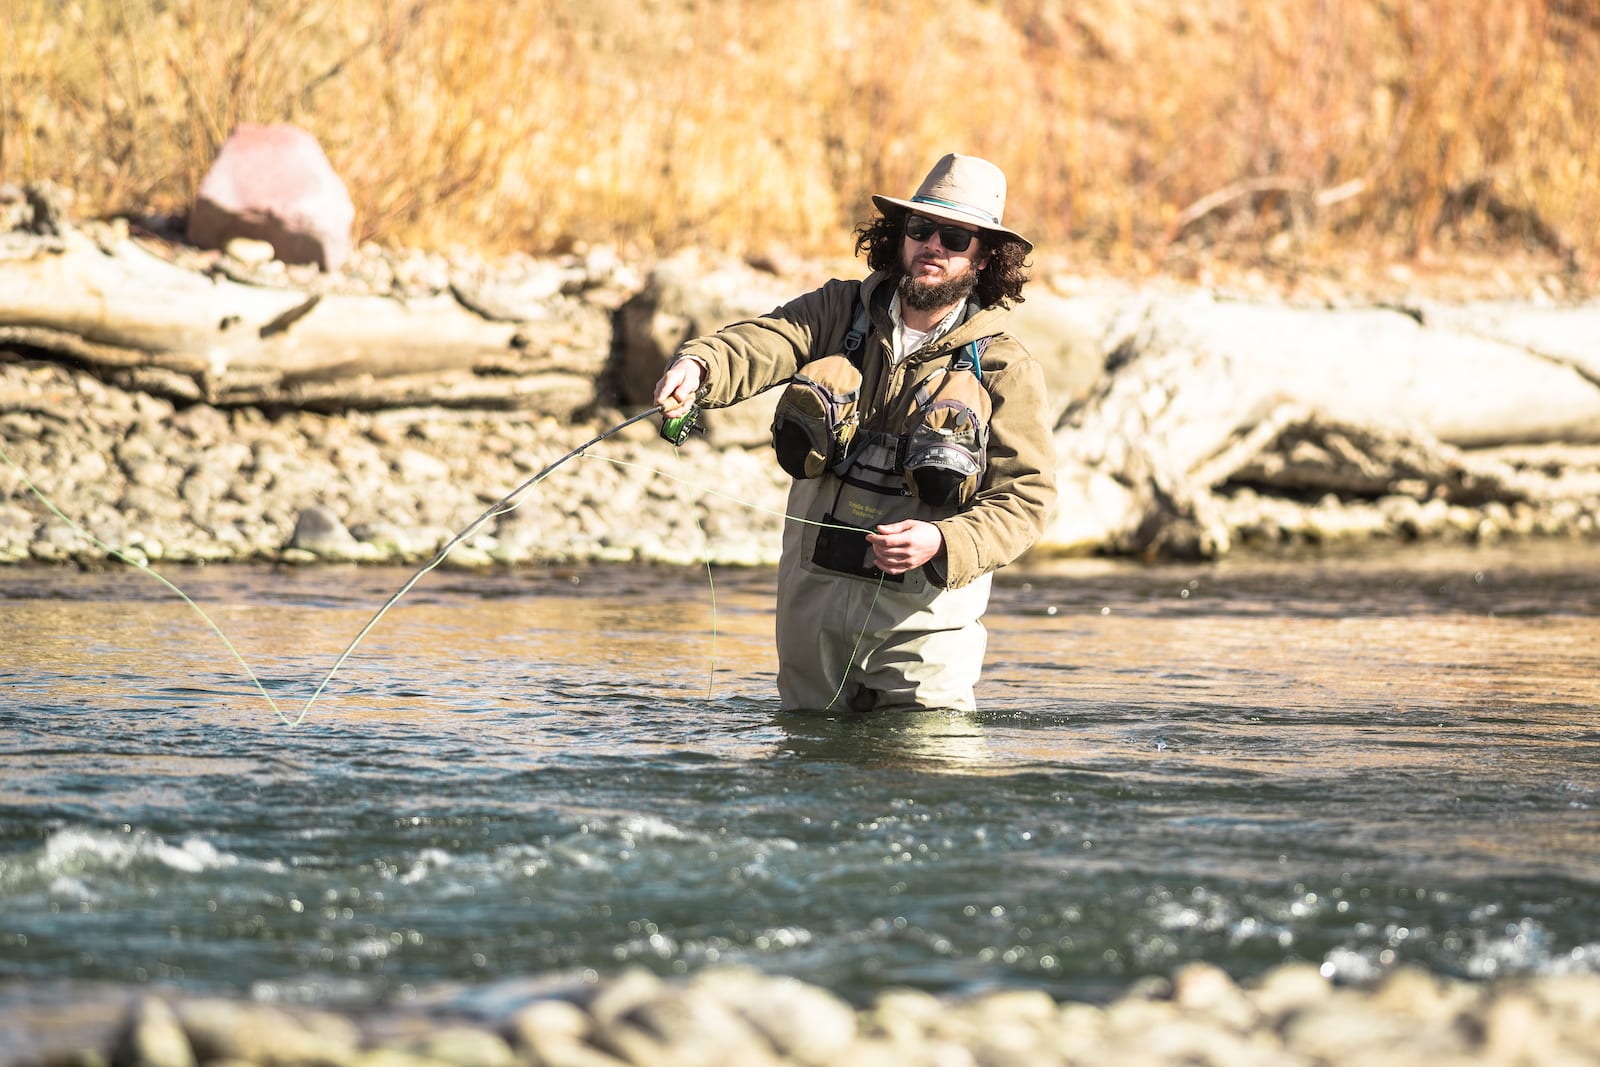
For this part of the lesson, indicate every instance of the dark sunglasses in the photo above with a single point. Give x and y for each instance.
(954, 238)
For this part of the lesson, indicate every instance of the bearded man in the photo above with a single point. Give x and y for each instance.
(919, 437)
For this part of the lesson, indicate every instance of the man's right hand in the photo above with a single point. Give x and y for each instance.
(679, 385)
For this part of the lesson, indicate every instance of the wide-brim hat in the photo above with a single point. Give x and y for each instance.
(961, 189)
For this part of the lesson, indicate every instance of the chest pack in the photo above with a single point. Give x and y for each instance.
(943, 430)
(947, 431)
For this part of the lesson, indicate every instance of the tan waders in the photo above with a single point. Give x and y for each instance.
(864, 641)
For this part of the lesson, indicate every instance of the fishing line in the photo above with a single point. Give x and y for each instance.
(134, 561)
(866, 620)
(504, 505)
(711, 583)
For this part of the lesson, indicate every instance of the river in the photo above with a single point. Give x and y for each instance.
(544, 774)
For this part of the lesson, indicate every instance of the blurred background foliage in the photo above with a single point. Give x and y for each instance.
(1137, 134)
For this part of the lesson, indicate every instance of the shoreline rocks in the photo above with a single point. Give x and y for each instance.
(203, 485)
(1291, 1016)
(182, 429)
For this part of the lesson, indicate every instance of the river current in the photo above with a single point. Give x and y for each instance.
(542, 775)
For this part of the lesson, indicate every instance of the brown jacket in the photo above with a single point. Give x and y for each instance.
(1012, 505)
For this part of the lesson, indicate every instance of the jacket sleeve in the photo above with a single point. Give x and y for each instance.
(1019, 487)
(748, 357)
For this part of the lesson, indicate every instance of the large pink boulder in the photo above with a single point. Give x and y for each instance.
(273, 183)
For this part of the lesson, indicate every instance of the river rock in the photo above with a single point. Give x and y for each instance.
(49, 208)
(1204, 988)
(1286, 989)
(261, 1034)
(548, 1028)
(155, 1038)
(318, 530)
(463, 1046)
(803, 1023)
(16, 531)
(1407, 1019)
(686, 296)
(685, 1024)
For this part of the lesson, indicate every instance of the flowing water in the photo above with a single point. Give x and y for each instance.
(540, 775)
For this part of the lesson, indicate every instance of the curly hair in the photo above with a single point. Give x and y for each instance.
(1001, 280)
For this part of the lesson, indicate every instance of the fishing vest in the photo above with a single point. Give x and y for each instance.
(938, 452)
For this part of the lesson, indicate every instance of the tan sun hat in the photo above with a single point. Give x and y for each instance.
(963, 189)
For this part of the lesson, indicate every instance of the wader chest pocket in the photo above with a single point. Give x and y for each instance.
(847, 551)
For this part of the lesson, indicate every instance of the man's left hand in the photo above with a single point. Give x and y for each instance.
(898, 547)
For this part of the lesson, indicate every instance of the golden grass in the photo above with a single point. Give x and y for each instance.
(1135, 134)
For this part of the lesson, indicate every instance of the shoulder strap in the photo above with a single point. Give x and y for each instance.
(970, 357)
(857, 335)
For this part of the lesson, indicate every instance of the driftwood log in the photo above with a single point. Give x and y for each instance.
(1208, 407)
(1189, 425)
(142, 323)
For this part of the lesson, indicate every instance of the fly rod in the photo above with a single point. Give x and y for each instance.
(679, 429)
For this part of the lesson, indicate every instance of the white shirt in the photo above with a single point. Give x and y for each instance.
(906, 340)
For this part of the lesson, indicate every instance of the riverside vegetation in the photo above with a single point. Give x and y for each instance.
(1281, 135)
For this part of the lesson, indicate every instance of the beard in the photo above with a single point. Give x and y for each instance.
(925, 296)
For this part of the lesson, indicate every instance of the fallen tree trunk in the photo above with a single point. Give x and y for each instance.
(1207, 406)
(143, 323)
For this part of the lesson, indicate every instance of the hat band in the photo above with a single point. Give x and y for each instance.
(994, 220)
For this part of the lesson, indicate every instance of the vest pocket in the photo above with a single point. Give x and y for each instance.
(947, 439)
(816, 417)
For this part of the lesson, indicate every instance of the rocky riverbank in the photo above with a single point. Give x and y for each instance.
(137, 477)
(1290, 1017)
(136, 474)
(158, 403)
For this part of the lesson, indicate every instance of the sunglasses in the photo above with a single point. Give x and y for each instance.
(954, 238)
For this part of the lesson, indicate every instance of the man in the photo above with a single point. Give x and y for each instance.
(920, 440)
